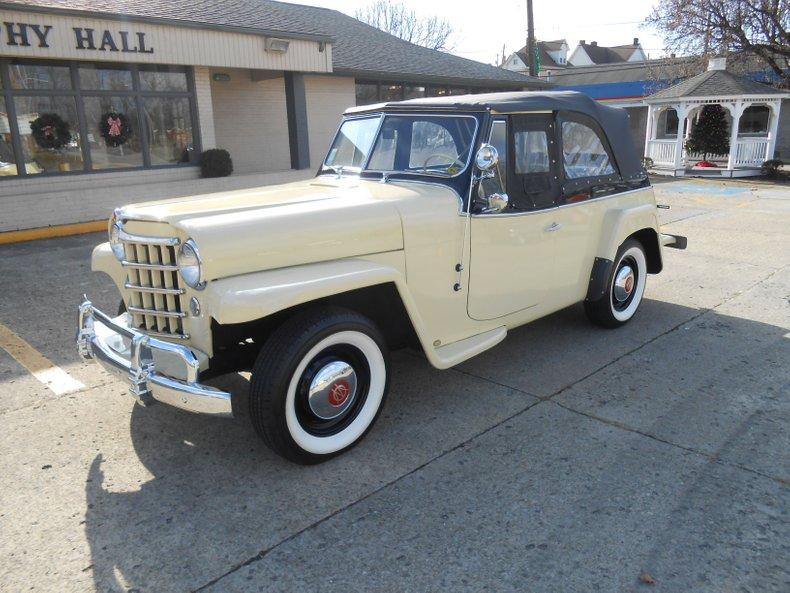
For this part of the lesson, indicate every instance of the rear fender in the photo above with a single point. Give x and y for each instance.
(621, 223)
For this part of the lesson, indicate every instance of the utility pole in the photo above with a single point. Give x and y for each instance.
(533, 71)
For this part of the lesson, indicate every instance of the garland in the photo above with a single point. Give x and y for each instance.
(50, 131)
(115, 128)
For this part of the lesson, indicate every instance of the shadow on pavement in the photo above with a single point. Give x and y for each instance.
(218, 497)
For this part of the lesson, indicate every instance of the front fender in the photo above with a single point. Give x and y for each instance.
(254, 296)
(103, 260)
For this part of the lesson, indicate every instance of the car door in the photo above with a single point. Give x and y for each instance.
(511, 262)
(588, 173)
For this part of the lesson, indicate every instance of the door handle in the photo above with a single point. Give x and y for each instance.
(554, 226)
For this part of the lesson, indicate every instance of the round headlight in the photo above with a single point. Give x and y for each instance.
(189, 265)
(115, 237)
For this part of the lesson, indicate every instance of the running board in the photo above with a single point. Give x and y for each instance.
(450, 355)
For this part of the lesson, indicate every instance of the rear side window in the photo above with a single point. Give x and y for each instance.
(583, 152)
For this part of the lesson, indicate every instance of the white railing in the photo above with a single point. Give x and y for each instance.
(750, 152)
(692, 158)
(661, 151)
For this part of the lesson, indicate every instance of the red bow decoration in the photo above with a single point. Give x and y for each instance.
(115, 126)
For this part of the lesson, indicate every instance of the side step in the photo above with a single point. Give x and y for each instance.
(450, 355)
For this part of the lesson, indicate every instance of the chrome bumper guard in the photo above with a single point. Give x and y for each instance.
(104, 339)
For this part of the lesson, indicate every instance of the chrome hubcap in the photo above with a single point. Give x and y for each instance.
(624, 283)
(332, 390)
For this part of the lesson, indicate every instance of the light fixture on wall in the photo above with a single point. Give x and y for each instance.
(220, 77)
(275, 45)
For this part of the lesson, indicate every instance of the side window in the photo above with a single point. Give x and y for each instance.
(498, 183)
(533, 179)
(532, 152)
(498, 139)
(583, 152)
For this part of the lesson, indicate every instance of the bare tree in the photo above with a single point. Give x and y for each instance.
(705, 27)
(396, 19)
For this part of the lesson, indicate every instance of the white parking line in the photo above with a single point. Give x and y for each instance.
(54, 377)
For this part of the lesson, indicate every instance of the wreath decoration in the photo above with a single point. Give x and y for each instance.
(50, 131)
(115, 128)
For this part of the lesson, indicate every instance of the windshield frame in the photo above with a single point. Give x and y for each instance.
(327, 169)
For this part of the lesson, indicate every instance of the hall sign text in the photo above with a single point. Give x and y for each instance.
(85, 38)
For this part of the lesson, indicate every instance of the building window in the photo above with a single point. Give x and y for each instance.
(391, 92)
(46, 160)
(754, 121)
(376, 92)
(112, 157)
(158, 103)
(367, 93)
(96, 78)
(7, 160)
(35, 77)
(169, 129)
(413, 92)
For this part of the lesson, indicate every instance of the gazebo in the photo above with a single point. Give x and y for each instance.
(752, 110)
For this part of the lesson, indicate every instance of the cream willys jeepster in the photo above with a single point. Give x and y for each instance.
(438, 222)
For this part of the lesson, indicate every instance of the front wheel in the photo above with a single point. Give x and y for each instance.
(318, 384)
(625, 288)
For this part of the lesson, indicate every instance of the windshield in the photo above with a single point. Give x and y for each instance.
(352, 144)
(418, 144)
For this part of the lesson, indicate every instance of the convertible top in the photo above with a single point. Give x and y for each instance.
(613, 120)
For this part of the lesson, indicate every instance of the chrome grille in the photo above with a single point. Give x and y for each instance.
(155, 300)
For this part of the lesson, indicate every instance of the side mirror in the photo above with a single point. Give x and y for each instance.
(495, 203)
(487, 157)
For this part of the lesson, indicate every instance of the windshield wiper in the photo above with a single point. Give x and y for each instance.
(433, 173)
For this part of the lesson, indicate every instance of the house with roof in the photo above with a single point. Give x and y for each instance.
(265, 80)
(590, 54)
(551, 55)
(632, 85)
(752, 111)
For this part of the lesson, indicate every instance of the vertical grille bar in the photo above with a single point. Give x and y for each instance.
(136, 252)
(145, 280)
(170, 300)
(157, 282)
(134, 278)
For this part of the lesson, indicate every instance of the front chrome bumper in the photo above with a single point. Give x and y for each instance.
(136, 356)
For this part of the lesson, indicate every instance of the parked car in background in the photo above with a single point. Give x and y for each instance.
(442, 222)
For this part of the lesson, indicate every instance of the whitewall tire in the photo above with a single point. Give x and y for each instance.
(319, 384)
(624, 290)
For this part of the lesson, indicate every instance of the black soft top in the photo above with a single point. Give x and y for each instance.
(613, 120)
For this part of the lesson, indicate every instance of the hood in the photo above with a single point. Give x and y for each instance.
(243, 231)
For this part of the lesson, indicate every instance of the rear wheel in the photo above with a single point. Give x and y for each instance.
(625, 288)
(318, 384)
